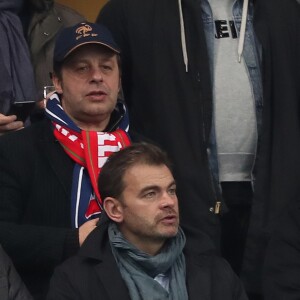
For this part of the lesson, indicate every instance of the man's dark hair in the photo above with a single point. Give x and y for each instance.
(110, 181)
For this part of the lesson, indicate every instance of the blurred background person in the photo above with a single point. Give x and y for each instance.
(17, 75)
(42, 20)
(30, 25)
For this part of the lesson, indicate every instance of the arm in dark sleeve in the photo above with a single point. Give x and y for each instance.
(210, 276)
(11, 287)
(281, 277)
(60, 287)
(233, 281)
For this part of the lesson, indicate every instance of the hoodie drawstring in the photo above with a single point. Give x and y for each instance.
(241, 37)
(243, 30)
(182, 34)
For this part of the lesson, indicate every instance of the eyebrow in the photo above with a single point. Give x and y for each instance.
(155, 187)
(85, 59)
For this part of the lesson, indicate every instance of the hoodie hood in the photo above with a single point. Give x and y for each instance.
(241, 35)
(40, 5)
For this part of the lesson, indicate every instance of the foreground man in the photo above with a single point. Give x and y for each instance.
(49, 196)
(139, 252)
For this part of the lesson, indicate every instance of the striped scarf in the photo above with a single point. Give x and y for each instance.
(89, 150)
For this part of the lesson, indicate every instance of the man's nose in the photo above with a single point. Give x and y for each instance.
(97, 75)
(168, 200)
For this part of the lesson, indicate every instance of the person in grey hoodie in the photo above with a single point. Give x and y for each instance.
(30, 25)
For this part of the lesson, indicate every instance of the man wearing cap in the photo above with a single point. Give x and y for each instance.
(49, 193)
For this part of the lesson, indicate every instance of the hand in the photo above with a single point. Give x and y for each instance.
(9, 123)
(86, 228)
(41, 104)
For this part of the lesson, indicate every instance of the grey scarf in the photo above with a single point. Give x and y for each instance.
(138, 269)
(17, 77)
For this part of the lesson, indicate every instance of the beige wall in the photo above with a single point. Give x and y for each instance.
(88, 8)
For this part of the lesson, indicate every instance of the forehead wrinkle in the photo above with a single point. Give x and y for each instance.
(134, 180)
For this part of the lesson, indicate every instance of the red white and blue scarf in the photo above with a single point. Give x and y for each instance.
(89, 150)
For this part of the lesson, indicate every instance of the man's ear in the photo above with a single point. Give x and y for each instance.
(57, 83)
(113, 209)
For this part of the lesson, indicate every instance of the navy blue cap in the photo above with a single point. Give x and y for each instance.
(70, 38)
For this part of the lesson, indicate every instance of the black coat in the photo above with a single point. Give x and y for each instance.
(35, 209)
(35, 203)
(277, 172)
(94, 275)
(281, 276)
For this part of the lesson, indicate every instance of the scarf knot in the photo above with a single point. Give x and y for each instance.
(140, 270)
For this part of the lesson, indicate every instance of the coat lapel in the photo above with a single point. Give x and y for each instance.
(198, 280)
(59, 161)
(109, 274)
(97, 247)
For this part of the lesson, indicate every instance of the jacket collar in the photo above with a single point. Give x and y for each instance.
(57, 159)
(97, 249)
(97, 244)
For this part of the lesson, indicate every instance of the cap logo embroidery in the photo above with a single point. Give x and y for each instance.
(84, 31)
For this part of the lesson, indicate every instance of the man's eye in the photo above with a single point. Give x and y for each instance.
(172, 191)
(82, 69)
(150, 195)
(106, 67)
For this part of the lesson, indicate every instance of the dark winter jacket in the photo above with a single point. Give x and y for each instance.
(93, 274)
(11, 285)
(35, 203)
(35, 211)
